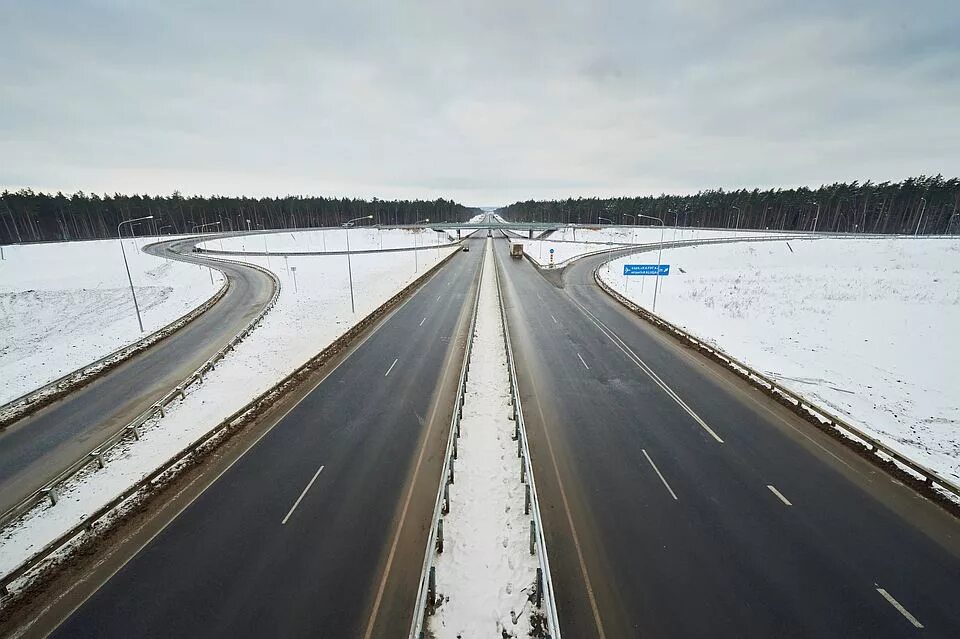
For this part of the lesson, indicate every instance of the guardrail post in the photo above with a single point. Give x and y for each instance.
(446, 499)
(533, 536)
(98, 457)
(52, 494)
(133, 428)
(180, 392)
(440, 536)
(432, 587)
(519, 447)
(523, 472)
(526, 500)
(454, 447)
(159, 409)
(539, 590)
(451, 471)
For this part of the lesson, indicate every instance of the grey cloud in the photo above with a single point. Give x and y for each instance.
(481, 102)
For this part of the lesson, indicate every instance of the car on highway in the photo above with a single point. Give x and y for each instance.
(466, 249)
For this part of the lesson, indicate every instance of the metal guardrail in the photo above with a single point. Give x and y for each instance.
(545, 580)
(22, 406)
(131, 429)
(426, 594)
(877, 451)
(176, 463)
(427, 590)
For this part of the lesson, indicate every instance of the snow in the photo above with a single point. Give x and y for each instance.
(865, 328)
(305, 320)
(570, 242)
(332, 239)
(65, 305)
(486, 573)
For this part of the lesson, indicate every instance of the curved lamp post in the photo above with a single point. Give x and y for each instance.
(126, 265)
(346, 228)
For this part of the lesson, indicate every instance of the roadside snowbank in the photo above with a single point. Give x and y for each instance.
(64, 305)
(306, 319)
(866, 328)
(486, 573)
(362, 238)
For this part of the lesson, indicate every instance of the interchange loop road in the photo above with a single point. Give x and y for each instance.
(34, 449)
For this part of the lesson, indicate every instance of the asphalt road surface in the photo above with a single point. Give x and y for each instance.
(320, 528)
(37, 448)
(679, 502)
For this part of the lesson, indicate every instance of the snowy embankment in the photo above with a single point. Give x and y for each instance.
(67, 304)
(570, 242)
(312, 311)
(329, 240)
(864, 328)
(486, 573)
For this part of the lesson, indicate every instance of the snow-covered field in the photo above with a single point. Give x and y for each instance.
(363, 238)
(865, 328)
(64, 305)
(570, 242)
(486, 573)
(307, 318)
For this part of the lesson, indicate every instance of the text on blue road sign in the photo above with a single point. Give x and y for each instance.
(646, 269)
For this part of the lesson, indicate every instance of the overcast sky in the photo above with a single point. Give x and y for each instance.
(485, 102)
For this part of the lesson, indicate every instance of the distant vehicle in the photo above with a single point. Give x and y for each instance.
(516, 250)
(466, 248)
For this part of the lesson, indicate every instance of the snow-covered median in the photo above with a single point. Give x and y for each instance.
(865, 328)
(64, 305)
(309, 315)
(486, 574)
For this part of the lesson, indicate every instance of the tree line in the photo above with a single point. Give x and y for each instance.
(28, 216)
(923, 205)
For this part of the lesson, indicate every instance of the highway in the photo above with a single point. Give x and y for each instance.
(680, 502)
(36, 448)
(319, 528)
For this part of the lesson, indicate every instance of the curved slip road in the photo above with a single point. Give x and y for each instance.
(680, 502)
(319, 528)
(38, 447)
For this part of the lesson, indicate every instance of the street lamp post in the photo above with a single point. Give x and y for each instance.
(346, 228)
(416, 257)
(738, 216)
(126, 265)
(920, 219)
(623, 215)
(659, 254)
(201, 227)
(817, 217)
(604, 218)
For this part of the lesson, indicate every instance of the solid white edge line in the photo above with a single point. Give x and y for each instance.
(776, 492)
(583, 362)
(300, 498)
(619, 343)
(896, 604)
(660, 475)
(391, 367)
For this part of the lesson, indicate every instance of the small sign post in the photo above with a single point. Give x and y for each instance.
(551, 257)
(658, 270)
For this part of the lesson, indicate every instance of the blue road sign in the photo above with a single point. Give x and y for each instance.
(646, 269)
(551, 250)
